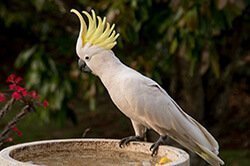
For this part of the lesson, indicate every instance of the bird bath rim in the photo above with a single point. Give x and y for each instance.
(179, 157)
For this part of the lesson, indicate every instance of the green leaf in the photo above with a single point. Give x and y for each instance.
(25, 56)
(38, 4)
(173, 46)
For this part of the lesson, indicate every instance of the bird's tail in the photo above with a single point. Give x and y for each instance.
(209, 156)
(198, 139)
(203, 152)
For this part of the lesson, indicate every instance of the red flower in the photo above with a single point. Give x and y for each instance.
(16, 95)
(12, 86)
(24, 92)
(18, 80)
(45, 103)
(2, 97)
(11, 78)
(14, 79)
(15, 129)
(21, 90)
(18, 89)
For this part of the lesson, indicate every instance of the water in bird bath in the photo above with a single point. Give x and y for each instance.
(87, 157)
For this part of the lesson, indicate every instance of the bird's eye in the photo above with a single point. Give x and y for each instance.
(86, 57)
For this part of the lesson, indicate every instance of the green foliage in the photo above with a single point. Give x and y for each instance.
(236, 157)
(153, 33)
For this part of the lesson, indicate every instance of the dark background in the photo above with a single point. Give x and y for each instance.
(197, 50)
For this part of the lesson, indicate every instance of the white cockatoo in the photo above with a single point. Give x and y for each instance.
(140, 98)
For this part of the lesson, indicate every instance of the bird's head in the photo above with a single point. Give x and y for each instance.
(95, 41)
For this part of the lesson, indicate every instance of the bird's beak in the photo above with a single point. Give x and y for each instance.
(83, 66)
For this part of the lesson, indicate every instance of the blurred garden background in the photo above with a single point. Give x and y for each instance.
(197, 50)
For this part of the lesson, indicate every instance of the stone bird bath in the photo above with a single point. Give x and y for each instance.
(91, 152)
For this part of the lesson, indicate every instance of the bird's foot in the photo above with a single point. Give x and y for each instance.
(126, 140)
(154, 148)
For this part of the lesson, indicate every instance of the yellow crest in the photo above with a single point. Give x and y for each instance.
(100, 34)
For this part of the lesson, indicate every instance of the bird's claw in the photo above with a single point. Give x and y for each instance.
(155, 147)
(123, 142)
(126, 140)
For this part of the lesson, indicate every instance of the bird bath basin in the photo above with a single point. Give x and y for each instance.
(91, 152)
